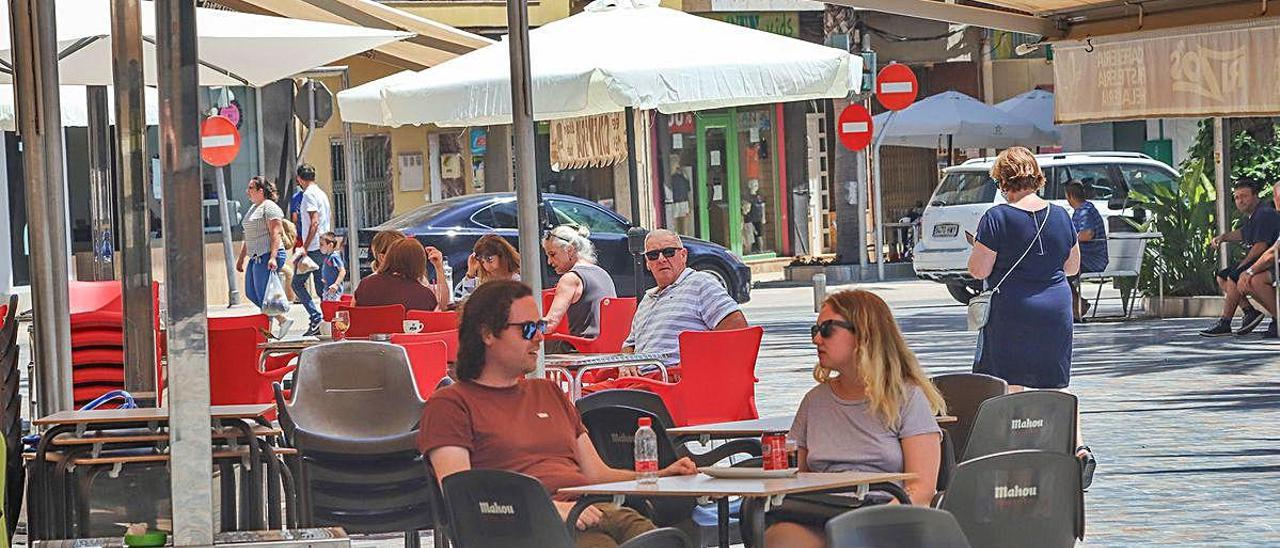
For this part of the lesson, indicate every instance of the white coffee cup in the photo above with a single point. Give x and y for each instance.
(412, 326)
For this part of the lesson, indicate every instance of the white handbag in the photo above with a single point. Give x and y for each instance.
(980, 304)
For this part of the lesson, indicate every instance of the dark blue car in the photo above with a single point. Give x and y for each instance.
(454, 225)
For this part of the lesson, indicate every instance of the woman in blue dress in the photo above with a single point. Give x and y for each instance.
(1026, 248)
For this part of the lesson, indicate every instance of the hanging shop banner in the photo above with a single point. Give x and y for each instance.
(1214, 70)
(590, 141)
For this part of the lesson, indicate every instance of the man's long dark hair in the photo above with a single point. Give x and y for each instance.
(487, 310)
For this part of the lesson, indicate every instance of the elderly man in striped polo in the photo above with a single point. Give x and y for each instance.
(684, 300)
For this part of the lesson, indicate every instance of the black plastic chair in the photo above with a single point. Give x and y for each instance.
(1018, 499)
(500, 509)
(895, 526)
(1035, 419)
(964, 392)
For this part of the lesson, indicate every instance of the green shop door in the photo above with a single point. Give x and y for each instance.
(718, 189)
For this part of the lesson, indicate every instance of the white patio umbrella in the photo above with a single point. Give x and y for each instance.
(235, 48)
(969, 122)
(615, 54)
(75, 109)
(1037, 106)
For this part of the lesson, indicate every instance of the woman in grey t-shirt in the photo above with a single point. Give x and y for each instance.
(262, 232)
(872, 411)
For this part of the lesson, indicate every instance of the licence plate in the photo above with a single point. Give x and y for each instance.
(946, 230)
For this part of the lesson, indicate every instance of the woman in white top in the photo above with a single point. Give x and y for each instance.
(492, 258)
(262, 232)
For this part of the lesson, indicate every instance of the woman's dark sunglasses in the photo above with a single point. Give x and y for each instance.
(828, 327)
(667, 252)
(529, 329)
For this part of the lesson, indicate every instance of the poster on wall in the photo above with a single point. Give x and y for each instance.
(411, 172)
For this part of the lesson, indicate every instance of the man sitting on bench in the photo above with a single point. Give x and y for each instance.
(1258, 232)
(1091, 232)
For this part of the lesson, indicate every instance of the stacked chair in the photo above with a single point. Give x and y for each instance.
(97, 338)
(12, 470)
(354, 420)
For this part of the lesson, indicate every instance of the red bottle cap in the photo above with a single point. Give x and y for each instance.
(645, 421)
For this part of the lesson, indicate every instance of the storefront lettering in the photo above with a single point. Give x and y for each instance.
(591, 141)
(1212, 74)
(1122, 76)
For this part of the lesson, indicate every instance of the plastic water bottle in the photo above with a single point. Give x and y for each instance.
(646, 452)
(448, 273)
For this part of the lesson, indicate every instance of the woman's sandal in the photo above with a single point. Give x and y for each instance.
(1087, 465)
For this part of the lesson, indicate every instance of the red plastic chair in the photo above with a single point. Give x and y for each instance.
(717, 381)
(434, 321)
(427, 357)
(367, 320)
(615, 324)
(327, 308)
(94, 337)
(549, 295)
(449, 338)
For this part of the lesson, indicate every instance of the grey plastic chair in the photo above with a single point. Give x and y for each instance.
(895, 526)
(964, 392)
(1018, 499)
(1035, 419)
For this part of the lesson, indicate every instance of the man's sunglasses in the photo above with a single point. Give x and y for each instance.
(667, 252)
(828, 328)
(530, 329)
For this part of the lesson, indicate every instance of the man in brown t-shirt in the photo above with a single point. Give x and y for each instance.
(496, 418)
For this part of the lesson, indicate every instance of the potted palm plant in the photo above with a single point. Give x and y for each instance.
(1180, 267)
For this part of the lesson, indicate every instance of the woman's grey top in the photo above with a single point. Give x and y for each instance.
(257, 230)
(584, 315)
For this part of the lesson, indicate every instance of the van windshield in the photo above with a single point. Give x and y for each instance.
(965, 187)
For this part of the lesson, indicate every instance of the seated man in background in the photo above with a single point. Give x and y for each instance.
(1257, 232)
(1091, 232)
(1256, 280)
(495, 417)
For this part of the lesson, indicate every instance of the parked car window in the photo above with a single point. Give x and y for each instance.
(965, 187)
(417, 217)
(594, 219)
(1097, 179)
(1142, 179)
(496, 216)
(1055, 187)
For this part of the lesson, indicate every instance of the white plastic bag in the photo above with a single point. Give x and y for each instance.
(274, 301)
(303, 263)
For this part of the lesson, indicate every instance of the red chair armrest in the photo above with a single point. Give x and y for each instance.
(580, 344)
(278, 373)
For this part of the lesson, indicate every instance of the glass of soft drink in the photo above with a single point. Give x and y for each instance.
(341, 321)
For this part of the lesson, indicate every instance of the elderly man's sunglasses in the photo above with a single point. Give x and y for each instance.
(528, 330)
(667, 252)
(828, 328)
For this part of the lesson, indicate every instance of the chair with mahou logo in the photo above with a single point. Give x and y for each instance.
(1035, 419)
(500, 509)
(1016, 499)
(896, 526)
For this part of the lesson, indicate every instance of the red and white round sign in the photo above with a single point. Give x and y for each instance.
(219, 141)
(854, 127)
(896, 86)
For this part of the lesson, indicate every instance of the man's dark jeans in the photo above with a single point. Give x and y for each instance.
(304, 294)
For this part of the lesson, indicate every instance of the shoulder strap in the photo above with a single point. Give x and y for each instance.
(1047, 212)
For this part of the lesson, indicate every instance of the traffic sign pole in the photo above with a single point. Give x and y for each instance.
(233, 285)
(875, 166)
(219, 144)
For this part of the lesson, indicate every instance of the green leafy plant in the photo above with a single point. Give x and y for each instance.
(1182, 258)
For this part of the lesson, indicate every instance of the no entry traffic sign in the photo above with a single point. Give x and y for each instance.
(854, 127)
(896, 86)
(219, 141)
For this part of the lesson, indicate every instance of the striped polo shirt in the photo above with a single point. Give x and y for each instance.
(695, 302)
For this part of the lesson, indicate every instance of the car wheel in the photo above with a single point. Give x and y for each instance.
(961, 292)
(715, 271)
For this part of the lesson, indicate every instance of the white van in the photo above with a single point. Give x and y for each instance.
(967, 191)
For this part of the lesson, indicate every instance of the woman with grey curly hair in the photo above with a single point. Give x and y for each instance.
(582, 284)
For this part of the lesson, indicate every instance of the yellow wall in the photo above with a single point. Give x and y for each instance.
(1011, 77)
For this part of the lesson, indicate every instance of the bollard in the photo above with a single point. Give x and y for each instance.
(819, 290)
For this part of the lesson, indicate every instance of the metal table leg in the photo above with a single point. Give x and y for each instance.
(722, 511)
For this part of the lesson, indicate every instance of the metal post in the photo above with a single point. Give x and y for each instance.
(522, 133)
(1221, 163)
(819, 291)
(353, 222)
(633, 176)
(228, 256)
(35, 76)
(133, 199)
(100, 183)
(879, 198)
(191, 468)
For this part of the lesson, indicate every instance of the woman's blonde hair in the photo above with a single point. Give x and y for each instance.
(1016, 170)
(887, 366)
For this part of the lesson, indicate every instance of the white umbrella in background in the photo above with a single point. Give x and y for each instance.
(235, 48)
(614, 55)
(969, 123)
(75, 109)
(1037, 106)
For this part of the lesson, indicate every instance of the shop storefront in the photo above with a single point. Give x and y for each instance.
(724, 178)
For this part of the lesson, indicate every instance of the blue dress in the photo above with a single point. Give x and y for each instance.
(1027, 340)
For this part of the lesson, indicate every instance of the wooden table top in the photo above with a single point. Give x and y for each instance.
(151, 414)
(702, 485)
(755, 427)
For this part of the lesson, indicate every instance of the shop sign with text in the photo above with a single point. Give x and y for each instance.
(590, 141)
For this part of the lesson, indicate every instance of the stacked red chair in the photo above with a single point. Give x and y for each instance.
(97, 337)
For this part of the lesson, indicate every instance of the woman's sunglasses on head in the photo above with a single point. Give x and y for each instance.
(828, 328)
(667, 252)
(529, 329)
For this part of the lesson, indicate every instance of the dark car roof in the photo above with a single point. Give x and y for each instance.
(454, 211)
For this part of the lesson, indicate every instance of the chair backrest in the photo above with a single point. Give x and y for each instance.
(964, 392)
(355, 389)
(88, 297)
(500, 509)
(717, 375)
(449, 338)
(549, 295)
(895, 526)
(615, 324)
(1035, 419)
(639, 399)
(1124, 255)
(434, 321)
(665, 537)
(233, 360)
(612, 430)
(427, 357)
(367, 320)
(327, 308)
(1018, 498)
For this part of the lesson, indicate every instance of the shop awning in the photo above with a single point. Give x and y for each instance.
(614, 55)
(433, 42)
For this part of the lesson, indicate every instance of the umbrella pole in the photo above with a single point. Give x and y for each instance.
(636, 235)
(875, 166)
(527, 198)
